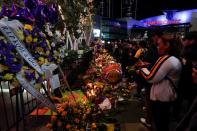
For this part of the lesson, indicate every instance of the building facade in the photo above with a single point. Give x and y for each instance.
(116, 8)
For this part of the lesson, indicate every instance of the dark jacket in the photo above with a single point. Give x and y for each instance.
(189, 122)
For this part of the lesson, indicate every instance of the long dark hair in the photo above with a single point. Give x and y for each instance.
(174, 46)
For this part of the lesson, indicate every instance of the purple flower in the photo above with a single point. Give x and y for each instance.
(26, 32)
(29, 75)
(40, 80)
(5, 11)
(50, 58)
(24, 15)
(10, 46)
(15, 68)
(35, 31)
(43, 44)
(31, 4)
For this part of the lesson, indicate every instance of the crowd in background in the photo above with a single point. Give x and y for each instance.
(166, 72)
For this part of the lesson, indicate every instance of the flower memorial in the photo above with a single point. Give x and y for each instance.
(11, 64)
(70, 116)
(46, 40)
(101, 78)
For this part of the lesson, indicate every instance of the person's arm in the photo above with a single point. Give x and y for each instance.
(158, 71)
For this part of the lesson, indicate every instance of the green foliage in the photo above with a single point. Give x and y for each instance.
(73, 11)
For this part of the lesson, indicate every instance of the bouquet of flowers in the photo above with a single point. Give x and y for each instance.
(70, 117)
(10, 60)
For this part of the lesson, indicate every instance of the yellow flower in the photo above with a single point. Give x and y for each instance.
(3, 68)
(39, 49)
(29, 39)
(15, 83)
(38, 86)
(47, 53)
(28, 27)
(25, 68)
(48, 44)
(15, 60)
(8, 76)
(93, 125)
(41, 60)
(35, 39)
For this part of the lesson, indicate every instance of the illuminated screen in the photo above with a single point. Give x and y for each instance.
(96, 32)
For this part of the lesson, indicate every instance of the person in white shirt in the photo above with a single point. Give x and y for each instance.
(164, 77)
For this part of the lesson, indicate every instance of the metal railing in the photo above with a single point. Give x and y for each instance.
(16, 103)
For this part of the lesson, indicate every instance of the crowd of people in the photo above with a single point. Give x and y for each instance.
(166, 71)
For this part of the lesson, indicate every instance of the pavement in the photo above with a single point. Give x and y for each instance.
(128, 114)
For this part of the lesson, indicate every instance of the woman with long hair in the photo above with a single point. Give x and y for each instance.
(164, 77)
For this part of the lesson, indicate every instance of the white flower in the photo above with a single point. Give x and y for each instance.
(53, 44)
(78, 31)
(89, 1)
(50, 33)
(58, 33)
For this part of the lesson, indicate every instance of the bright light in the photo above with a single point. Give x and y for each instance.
(184, 17)
(108, 42)
(103, 41)
(96, 32)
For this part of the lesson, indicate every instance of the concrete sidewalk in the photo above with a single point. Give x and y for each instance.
(133, 127)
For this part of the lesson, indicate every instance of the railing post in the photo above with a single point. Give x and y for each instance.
(4, 104)
(17, 112)
(22, 105)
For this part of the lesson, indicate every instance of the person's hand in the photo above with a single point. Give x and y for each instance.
(141, 64)
(145, 64)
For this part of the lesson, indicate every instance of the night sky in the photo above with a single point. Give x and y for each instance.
(148, 8)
